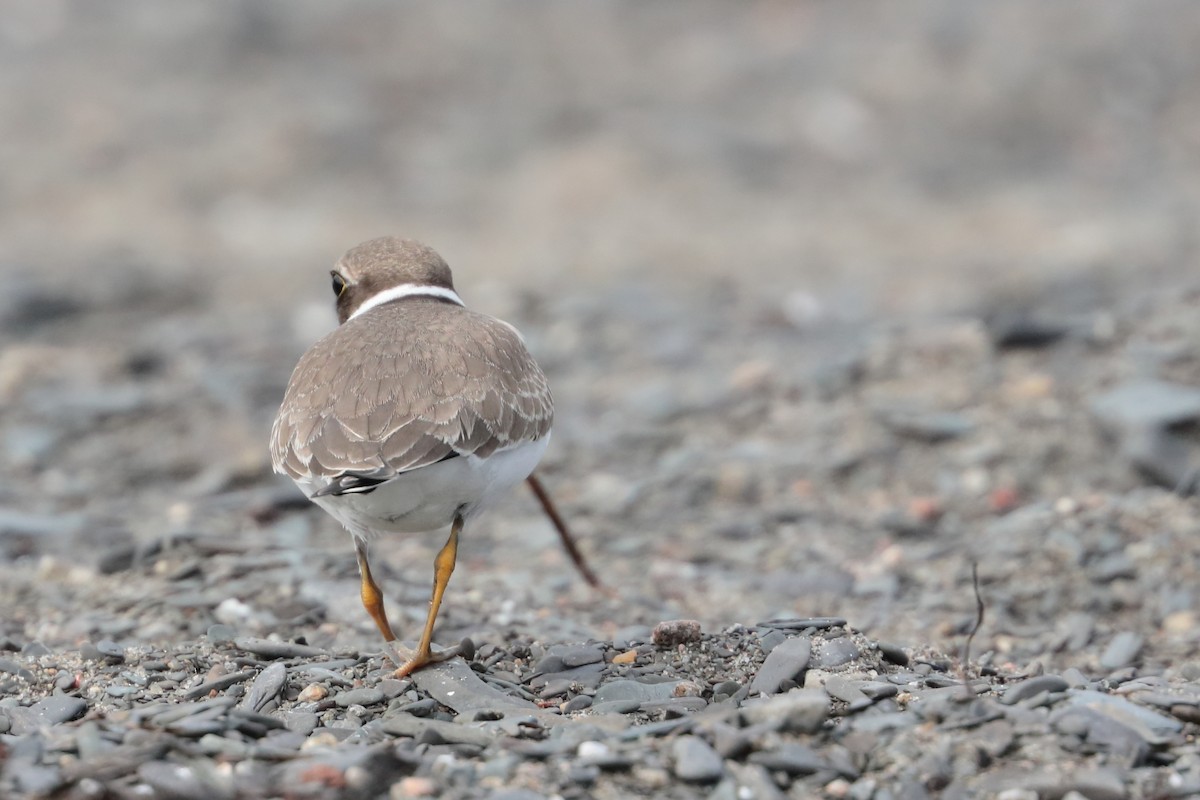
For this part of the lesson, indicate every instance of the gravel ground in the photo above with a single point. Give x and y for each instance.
(788, 428)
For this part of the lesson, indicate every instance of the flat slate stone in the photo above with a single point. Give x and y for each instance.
(266, 687)
(696, 761)
(269, 649)
(1148, 403)
(366, 696)
(791, 758)
(799, 711)
(626, 689)
(835, 652)
(803, 623)
(1123, 650)
(786, 662)
(49, 711)
(1148, 720)
(1033, 687)
(447, 732)
(454, 684)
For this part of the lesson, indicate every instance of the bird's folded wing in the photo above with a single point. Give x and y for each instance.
(369, 402)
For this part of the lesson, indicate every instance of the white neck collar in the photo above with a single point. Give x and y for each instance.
(407, 290)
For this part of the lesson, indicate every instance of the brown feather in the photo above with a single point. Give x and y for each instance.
(409, 383)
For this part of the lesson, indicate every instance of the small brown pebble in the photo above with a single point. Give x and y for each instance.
(1003, 500)
(671, 633)
(312, 693)
(628, 657)
(925, 509)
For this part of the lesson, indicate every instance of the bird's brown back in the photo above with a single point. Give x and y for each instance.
(404, 386)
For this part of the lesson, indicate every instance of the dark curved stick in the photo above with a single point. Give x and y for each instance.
(564, 533)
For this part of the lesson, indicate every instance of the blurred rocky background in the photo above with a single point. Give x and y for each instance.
(836, 299)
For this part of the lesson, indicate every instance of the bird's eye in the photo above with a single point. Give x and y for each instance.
(339, 284)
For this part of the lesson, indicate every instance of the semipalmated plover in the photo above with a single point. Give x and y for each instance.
(413, 414)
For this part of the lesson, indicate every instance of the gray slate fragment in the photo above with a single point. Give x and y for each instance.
(1033, 687)
(181, 782)
(1157, 727)
(111, 650)
(625, 689)
(448, 732)
(835, 652)
(49, 711)
(366, 696)
(564, 657)
(798, 711)
(1098, 783)
(1102, 732)
(13, 668)
(35, 649)
(893, 653)
(681, 705)
(1123, 650)
(216, 684)
(804, 623)
(578, 655)
(786, 662)
(221, 634)
(1147, 403)
(454, 684)
(266, 687)
(696, 761)
(792, 758)
(847, 691)
(926, 426)
(269, 649)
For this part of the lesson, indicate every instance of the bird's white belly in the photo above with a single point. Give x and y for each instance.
(429, 497)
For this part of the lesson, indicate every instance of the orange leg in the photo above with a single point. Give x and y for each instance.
(372, 597)
(443, 566)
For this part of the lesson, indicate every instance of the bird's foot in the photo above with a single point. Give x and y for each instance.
(410, 662)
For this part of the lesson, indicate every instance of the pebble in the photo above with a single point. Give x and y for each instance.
(927, 426)
(52, 710)
(434, 731)
(1148, 403)
(624, 689)
(798, 711)
(792, 759)
(1023, 329)
(673, 633)
(695, 761)
(1152, 725)
(580, 702)
(1122, 650)
(627, 657)
(366, 696)
(835, 652)
(1032, 687)
(217, 684)
(11, 667)
(266, 687)
(803, 623)
(221, 634)
(312, 693)
(269, 649)
(787, 661)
